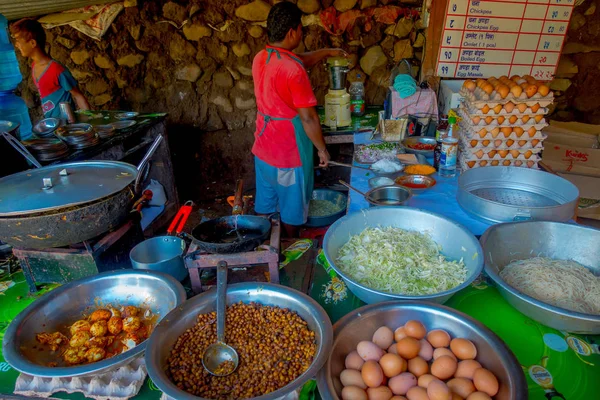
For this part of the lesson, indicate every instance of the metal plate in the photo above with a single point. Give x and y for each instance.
(126, 115)
(24, 193)
(123, 124)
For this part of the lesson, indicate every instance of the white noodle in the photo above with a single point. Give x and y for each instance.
(561, 283)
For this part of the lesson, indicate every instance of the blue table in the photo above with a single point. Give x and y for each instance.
(440, 199)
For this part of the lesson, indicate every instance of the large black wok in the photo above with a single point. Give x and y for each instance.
(44, 208)
(231, 234)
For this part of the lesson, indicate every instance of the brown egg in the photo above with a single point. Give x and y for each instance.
(524, 86)
(353, 393)
(516, 90)
(444, 367)
(115, 325)
(418, 366)
(456, 397)
(482, 132)
(535, 107)
(369, 351)
(503, 90)
(372, 374)
(462, 386)
(512, 119)
(476, 120)
(470, 164)
(510, 84)
(506, 163)
(417, 393)
(402, 383)
(534, 142)
(352, 377)
(392, 349)
(498, 108)
(485, 381)
(480, 82)
(506, 131)
(392, 364)
(379, 393)
(473, 143)
(491, 154)
(543, 90)
(538, 118)
(425, 380)
(525, 118)
(509, 107)
(426, 351)
(522, 143)
(518, 131)
(438, 390)
(494, 163)
(408, 347)
(464, 349)
(530, 164)
(439, 337)
(514, 153)
(483, 163)
(528, 154)
(398, 398)
(510, 142)
(466, 368)
(383, 337)
(497, 142)
(399, 334)
(522, 107)
(478, 396)
(488, 120)
(479, 153)
(485, 109)
(515, 78)
(500, 120)
(487, 88)
(518, 163)
(485, 143)
(442, 351)
(469, 85)
(100, 315)
(354, 361)
(415, 329)
(531, 90)
(531, 131)
(495, 132)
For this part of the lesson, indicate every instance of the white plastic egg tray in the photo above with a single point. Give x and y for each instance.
(468, 164)
(507, 132)
(480, 97)
(525, 121)
(501, 144)
(488, 154)
(475, 110)
(120, 384)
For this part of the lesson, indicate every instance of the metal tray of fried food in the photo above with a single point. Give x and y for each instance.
(507, 194)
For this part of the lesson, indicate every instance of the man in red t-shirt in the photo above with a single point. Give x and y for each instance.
(287, 124)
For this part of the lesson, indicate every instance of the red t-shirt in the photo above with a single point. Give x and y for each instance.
(281, 87)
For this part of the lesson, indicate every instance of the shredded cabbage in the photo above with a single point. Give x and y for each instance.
(320, 208)
(397, 261)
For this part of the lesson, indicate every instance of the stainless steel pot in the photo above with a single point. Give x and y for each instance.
(182, 318)
(361, 323)
(505, 243)
(162, 253)
(455, 240)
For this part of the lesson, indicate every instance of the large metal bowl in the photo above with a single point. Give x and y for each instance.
(337, 198)
(64, 305)
(360, 324)
(505, 243)
(455, 240)
(180, 319)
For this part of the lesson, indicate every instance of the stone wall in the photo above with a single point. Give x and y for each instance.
(199, 71)
(577, 82)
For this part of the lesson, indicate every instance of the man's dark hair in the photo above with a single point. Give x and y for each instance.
(30, 29)
(282, 17)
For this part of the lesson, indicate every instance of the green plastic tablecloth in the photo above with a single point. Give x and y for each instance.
(565, 365)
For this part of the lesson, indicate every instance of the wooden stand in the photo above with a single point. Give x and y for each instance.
(196, 260)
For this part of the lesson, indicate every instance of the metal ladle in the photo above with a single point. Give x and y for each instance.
(219, 359)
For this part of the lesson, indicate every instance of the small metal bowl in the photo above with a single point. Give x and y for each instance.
(388, 196)
(46, 127)
(416, 183)
(411, 141)
(105, 131)
(361, 323)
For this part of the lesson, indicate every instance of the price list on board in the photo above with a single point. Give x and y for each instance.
(484, 38)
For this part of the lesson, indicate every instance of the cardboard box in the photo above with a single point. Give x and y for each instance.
(448, 96)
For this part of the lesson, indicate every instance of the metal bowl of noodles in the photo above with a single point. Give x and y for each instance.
(326, 207)
(360, 324)
(455, 241)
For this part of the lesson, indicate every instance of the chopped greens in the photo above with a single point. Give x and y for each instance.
(321, 208)
(397, 261)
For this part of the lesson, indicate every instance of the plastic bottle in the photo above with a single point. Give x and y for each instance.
(357, 98)
(449, 150)
(12, 107)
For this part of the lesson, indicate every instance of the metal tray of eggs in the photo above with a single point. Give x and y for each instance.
(516, 88)
(526, 120)
(501, 144)
(468, 164)
(507, 109)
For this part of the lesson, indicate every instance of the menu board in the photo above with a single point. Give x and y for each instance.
(484, 38)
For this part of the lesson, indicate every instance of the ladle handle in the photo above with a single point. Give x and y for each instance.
(221, 299)
(352, 187)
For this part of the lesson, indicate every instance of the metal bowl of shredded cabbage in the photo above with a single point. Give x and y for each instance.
(325, 207)
(402, 253)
